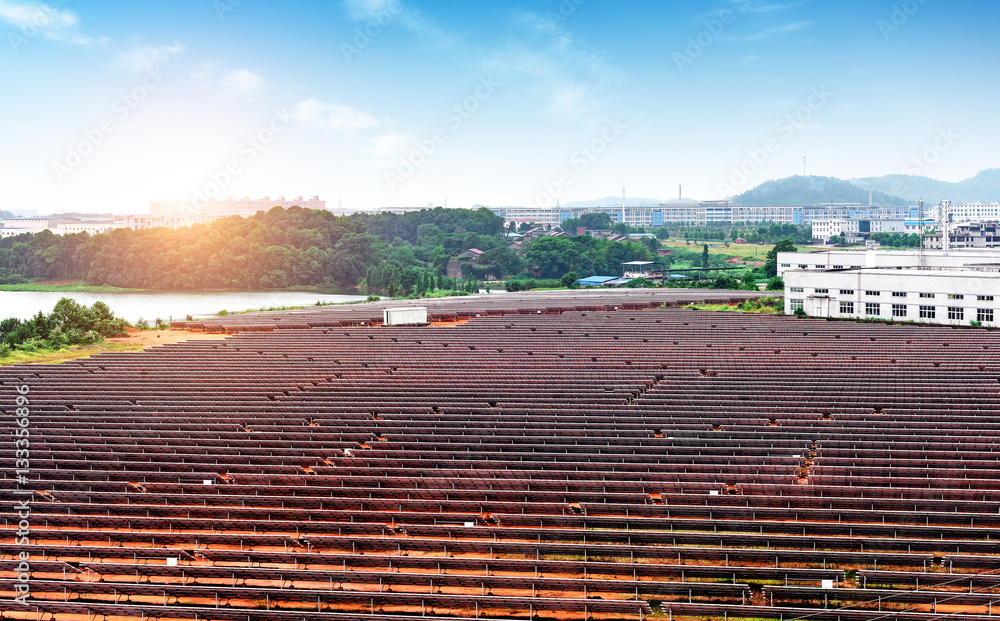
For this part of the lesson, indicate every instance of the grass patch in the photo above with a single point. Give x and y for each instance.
(73, 286)
(743, 251)
(760, 306)
(65, 354)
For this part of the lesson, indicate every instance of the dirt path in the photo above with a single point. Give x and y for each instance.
(149, 338)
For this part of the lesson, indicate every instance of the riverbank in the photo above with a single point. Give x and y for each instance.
(72, 286)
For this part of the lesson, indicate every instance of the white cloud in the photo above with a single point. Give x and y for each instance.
(385, 12)
(38, 18)
(334, 116)
(571, 78)
(777, 30)
(767, 8)
(390, 145)
(566, 99)
(243, 82)
(146, 57)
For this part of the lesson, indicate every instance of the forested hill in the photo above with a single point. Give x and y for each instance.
(802, 190)
(279, 248)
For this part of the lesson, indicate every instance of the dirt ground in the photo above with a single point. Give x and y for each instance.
(149, 338)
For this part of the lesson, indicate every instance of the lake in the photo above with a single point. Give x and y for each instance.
(165, 305)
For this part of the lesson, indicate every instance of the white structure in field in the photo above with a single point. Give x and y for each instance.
(953, 296)
(406, 316)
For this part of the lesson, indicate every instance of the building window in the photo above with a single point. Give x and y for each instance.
(873, 292)
(847, 292)
(927, 295)
(838, 267)
(786, 265)
(796, 289)
(899, 310)
(803, 267)
(927, 312)
(872, 308)
(984, 298)
(984, 315)
(956, 312)
(847, 308)
(899, 294)
(855, 267)
(956, 296)
(822, 291)
(796, 305)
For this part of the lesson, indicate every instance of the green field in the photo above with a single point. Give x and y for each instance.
(744, 251)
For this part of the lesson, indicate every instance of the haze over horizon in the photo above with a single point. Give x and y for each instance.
(406, 102)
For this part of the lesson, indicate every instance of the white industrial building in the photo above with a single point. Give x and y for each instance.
(883, 258)
(952, 296)
(968, 235)
(966, 212)
(828, 229)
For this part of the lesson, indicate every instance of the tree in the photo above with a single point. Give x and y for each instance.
(553, 256)
(771, 264)
(704, 255)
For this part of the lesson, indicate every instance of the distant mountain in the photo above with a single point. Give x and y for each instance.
(616, 201)
(984, 187)
(809, 190)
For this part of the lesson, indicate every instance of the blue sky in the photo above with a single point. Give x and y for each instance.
(370, 103)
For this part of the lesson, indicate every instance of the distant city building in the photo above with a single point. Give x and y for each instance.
(707, 212)
(828, 229)
(968, 212)
(91, 227)
(63, 225)
(858, 229)
(230, 206)
(970, 235)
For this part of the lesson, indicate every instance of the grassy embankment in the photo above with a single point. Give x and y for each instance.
(761, 306)
(71, 353)
(77, 285)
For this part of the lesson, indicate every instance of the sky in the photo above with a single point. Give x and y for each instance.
(109, 105)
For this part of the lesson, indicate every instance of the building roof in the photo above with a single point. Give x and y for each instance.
(596, 280)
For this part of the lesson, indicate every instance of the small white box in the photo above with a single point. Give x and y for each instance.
(713, 492)
(470, 524)
(207, 482)
(171, 560)
(827, 584)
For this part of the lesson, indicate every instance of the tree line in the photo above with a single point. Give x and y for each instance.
(274, 249)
